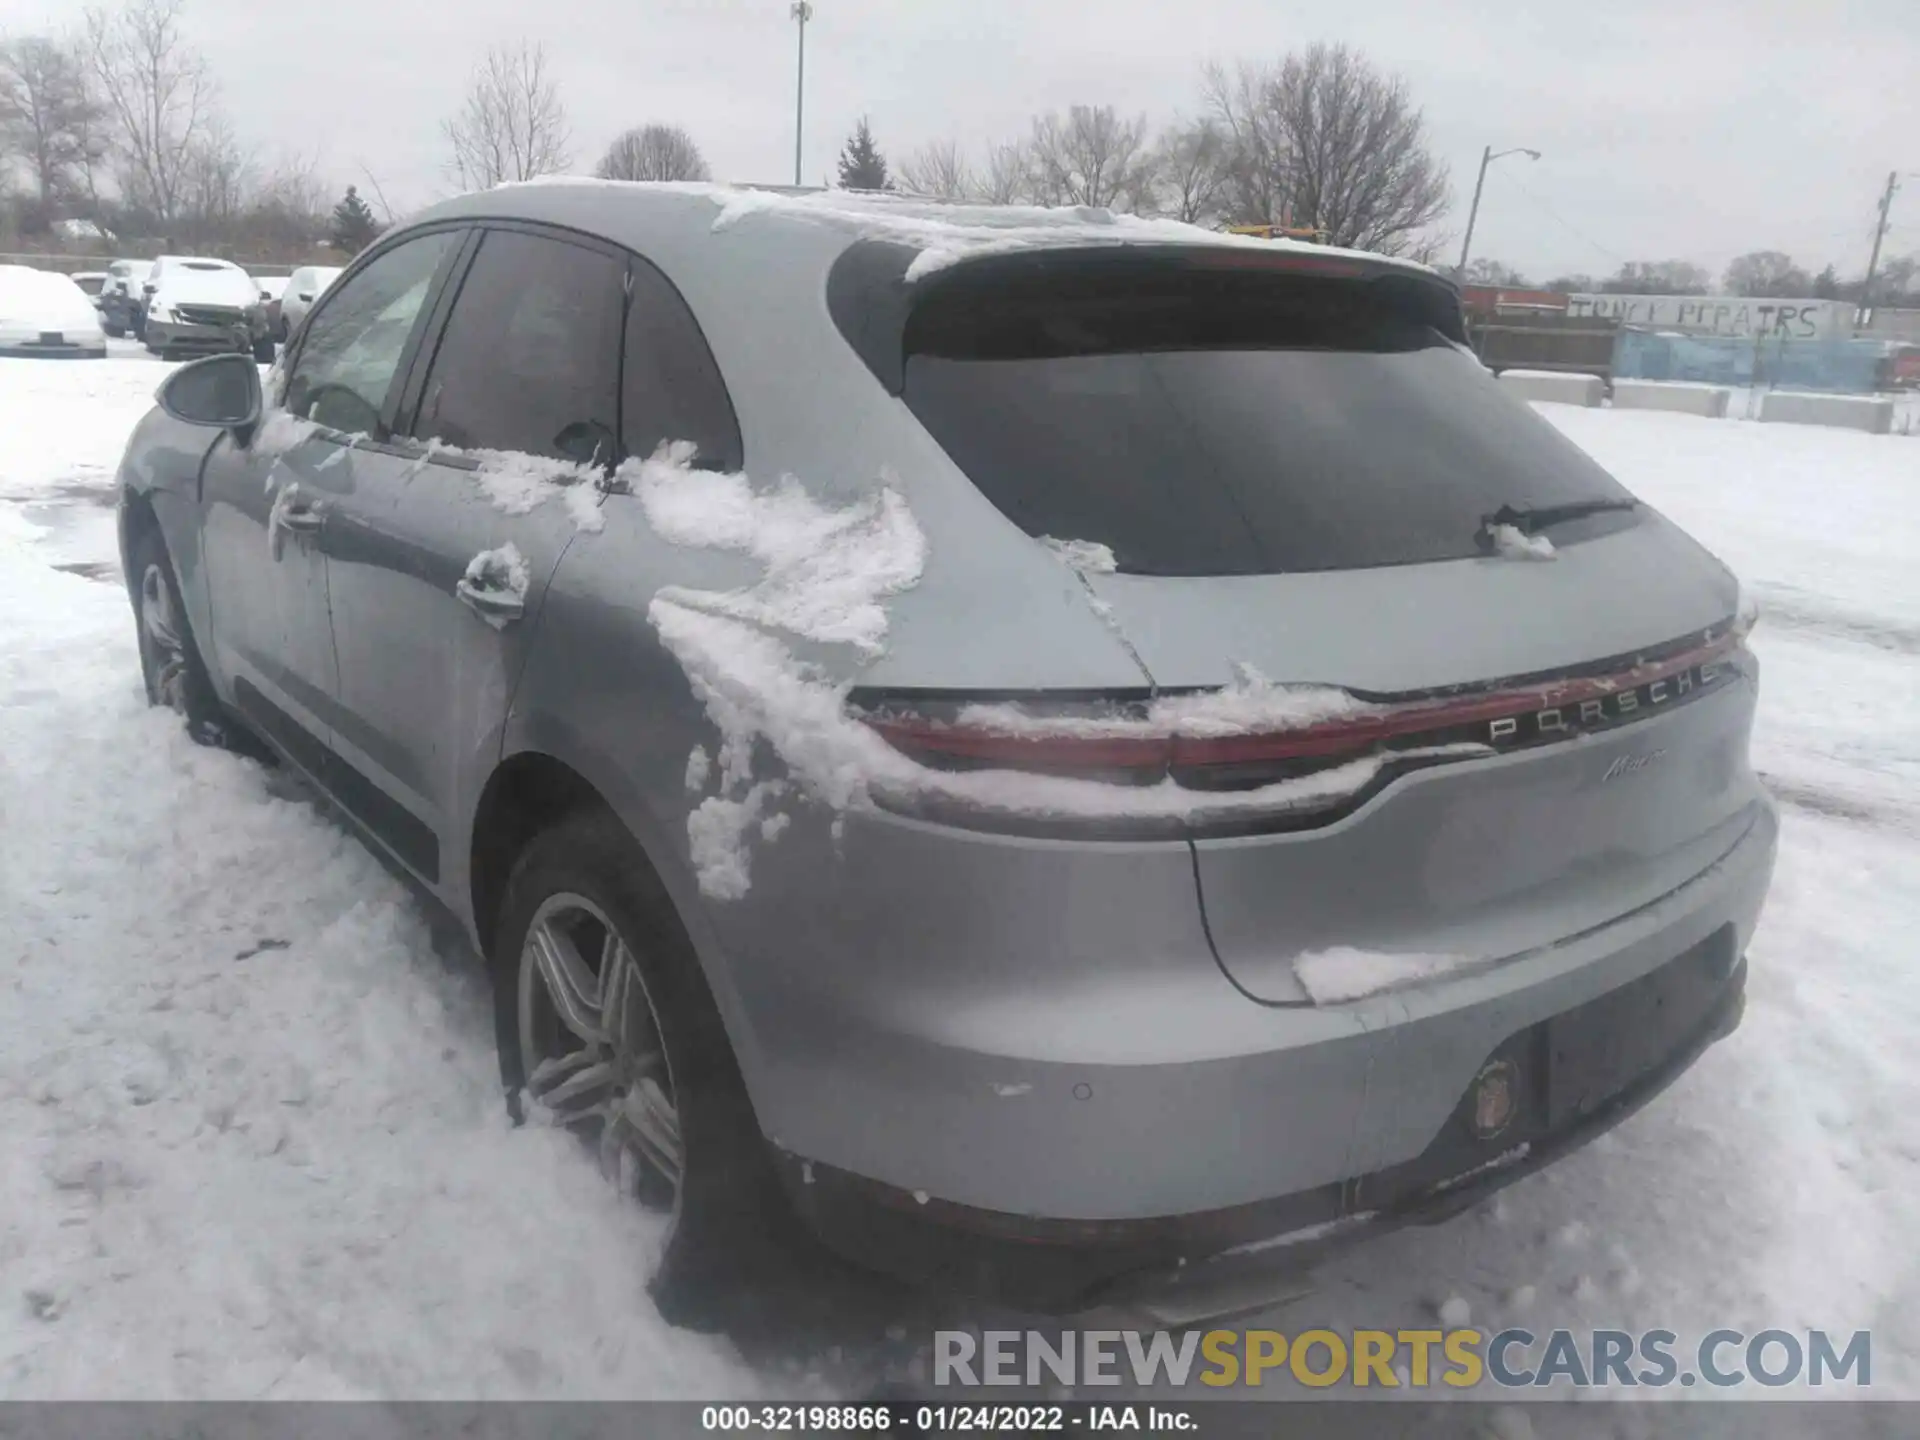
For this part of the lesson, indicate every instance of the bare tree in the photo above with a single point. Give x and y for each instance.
(379, 194)
(512, 125)
(1089, 156)
(1326, 140)
(1768, 273)
(215, 182)
(48, 113)
(1487, 271)
(938, 170)
(1256, 170)
(653, 152)
(158, 94)
(1008, 177)
(1189, 170)
(1658, 277)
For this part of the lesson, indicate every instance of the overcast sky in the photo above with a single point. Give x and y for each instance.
(1671, 129)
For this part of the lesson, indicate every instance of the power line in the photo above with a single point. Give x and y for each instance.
(1564, 224)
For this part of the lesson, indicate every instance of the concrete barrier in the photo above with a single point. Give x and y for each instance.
(1553, 385)
(1871, 413)
(1707, 400)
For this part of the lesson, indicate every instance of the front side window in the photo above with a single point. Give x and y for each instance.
(530, 359)
(352, 346)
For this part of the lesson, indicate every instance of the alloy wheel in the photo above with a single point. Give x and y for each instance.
(594, 1056)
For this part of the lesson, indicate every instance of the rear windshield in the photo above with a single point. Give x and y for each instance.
(1208, 422)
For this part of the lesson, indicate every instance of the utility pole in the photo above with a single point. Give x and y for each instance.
(1873, 260)
(803, 12)
(1487, 157)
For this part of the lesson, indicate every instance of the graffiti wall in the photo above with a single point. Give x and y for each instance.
(1732, 316)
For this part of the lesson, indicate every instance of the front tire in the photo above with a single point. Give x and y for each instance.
(170, 661)
(606, 1025)
(263, 351)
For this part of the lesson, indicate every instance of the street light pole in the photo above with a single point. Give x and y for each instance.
(1487, 157)
(803, 12)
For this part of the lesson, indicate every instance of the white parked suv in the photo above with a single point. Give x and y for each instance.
(196, 303)
(304, 286)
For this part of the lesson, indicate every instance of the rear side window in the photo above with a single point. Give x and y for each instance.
(672, 387)
(1229, 421)
(530, 357)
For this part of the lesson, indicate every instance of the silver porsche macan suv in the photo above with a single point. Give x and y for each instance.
(1055, 749)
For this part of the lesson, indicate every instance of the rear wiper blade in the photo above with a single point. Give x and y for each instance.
(1532, 519)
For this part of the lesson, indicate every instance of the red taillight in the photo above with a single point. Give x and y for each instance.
(935, 741)
(1130, 742)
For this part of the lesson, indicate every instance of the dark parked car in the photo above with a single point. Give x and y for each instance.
(1135, 805)
(122, 297)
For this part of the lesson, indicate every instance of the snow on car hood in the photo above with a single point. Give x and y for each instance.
(207, 287)
(37, 300)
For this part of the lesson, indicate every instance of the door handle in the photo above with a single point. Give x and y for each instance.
(498, 608)
(304, 518)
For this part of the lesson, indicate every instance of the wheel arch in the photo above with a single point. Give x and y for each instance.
(532, 788)
(526, 793)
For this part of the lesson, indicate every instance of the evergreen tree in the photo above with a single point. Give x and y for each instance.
(862, 166)
(1826, 285)
(354, 227)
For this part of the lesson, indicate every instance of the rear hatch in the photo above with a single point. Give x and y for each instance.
(1287, 479)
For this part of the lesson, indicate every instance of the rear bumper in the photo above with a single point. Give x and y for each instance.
(64, 351)
(1074, 1138)
(1060, 1265)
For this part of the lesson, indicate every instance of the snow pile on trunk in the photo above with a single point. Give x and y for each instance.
(1513, 543)
(826, 574)
(1343, 973)
(1089, 557)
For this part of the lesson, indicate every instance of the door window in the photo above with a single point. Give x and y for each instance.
(530, 359)
(354, 343)
(671, 388)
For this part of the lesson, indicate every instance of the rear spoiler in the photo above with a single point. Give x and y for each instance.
(871, 300)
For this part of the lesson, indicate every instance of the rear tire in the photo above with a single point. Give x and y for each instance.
(263, 351)
(583, 891)
(115, 332)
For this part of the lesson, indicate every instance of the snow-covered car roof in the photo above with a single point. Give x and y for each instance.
(944, 233)
(204, 282)
(44, 300)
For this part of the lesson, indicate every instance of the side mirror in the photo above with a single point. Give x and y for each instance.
(221, 391)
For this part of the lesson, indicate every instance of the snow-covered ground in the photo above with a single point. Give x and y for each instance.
(250, 1139)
